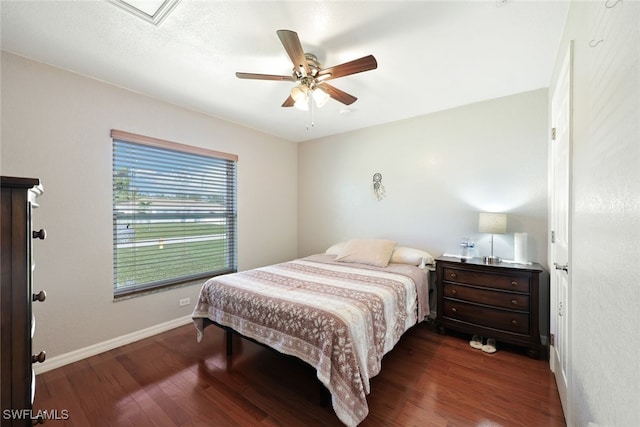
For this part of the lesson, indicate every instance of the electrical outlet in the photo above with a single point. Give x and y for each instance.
(184, 301)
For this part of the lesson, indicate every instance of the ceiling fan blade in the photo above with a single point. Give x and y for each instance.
(289, 102)
(338, 95)
(264, 77)
(292, 45)
(365, 63)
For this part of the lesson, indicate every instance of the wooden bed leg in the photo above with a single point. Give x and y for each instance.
(325, 396)
(228, 335)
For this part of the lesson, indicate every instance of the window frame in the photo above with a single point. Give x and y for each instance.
(229, 212)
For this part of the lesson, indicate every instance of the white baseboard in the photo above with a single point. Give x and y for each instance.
(92, 350)
(553, 360)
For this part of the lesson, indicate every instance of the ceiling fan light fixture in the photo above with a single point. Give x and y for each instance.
(302, 105)
(300, 93)
(320, 97)
(300, 96)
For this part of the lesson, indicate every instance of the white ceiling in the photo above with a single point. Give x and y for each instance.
(432, 55)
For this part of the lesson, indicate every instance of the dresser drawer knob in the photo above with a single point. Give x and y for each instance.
(40, 296)
(514, 322)
(514, 301)
(454, 310)
(39, 358)
(453, 275)
(514, 283)
(453, 291)
(40, 234)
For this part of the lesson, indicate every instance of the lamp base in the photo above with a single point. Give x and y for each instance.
(492, 260)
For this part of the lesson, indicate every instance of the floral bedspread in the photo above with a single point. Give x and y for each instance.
(339, 318)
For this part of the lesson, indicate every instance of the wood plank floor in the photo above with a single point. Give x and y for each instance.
(171, 380)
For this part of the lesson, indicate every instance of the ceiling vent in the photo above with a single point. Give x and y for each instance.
(152, 11)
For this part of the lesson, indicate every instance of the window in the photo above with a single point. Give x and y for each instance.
(174, 213)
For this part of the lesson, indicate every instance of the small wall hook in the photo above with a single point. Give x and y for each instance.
(594, 43)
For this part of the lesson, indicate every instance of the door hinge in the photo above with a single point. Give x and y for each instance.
(553, 134)
(553, 236)
(552, 339)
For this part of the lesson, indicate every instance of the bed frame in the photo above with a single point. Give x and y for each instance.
(325, 394)
(342, 335)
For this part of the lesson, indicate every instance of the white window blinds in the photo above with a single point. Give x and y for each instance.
(174, 213)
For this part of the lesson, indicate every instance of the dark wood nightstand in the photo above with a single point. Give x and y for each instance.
(499, 301)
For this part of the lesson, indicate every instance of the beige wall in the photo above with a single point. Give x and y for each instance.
(55, 126)
(439, 171)
(604, 368)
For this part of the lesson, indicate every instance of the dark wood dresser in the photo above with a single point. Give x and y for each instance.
(499, 301)
(17, 380)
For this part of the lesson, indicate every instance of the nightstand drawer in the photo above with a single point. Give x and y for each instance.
(489, 280)
(487, 297)
(493, 318)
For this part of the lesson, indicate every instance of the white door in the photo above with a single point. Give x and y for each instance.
(560, 227)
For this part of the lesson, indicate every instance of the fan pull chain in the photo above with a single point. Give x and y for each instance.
(311, 112)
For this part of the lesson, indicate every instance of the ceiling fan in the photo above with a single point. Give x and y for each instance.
(311, 78)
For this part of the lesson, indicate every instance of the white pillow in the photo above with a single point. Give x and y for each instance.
(335, 249)
(403, 255)
(375, 252)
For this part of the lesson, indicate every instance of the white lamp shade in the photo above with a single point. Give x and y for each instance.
(494, 223)
(299, 93)
(320, 97)
(302, 105)
(300, 97)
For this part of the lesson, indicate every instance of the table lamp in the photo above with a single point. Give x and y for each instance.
(494, 223)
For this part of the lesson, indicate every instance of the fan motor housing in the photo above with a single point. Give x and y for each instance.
(314, 67)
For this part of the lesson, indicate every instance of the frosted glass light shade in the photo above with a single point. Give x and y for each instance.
(299, 93)
(320, 97)
(494, 223)
(302, 105)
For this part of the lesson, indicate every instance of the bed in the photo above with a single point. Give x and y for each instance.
(340, 311)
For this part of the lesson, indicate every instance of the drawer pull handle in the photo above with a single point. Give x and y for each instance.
(514, 322)
(454, 310)
(514, 301)
(40, 296)
(453, 275)
(40, 234)
(39, 357)
(514, 283)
